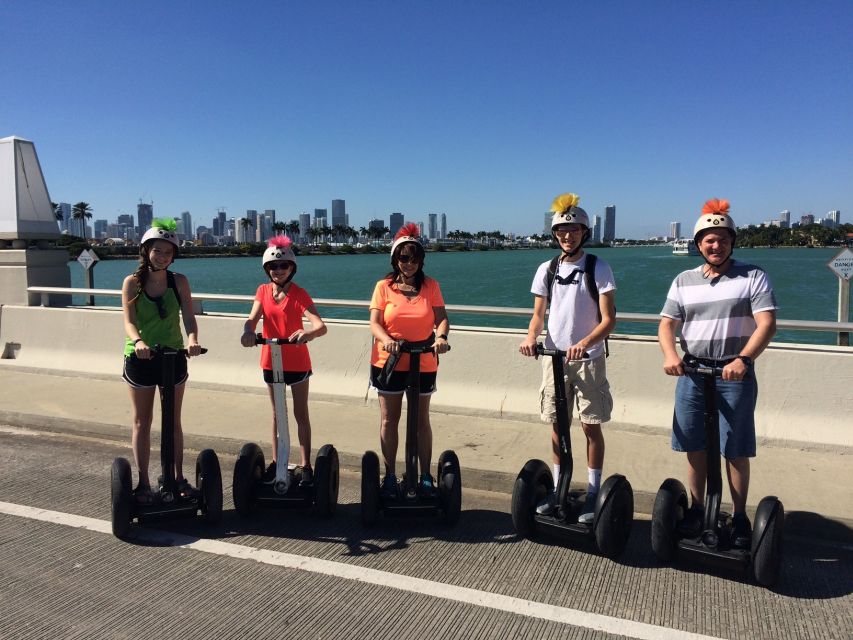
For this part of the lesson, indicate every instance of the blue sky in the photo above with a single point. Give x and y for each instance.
(482, 110)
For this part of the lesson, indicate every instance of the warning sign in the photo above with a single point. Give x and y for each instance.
(842, 264)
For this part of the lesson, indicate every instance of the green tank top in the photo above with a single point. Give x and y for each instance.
(165, 332)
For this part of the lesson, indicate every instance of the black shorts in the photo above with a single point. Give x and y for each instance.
(144, 374)
(397, 384)
(290, 377)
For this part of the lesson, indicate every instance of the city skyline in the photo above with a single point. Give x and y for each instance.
(417, 108)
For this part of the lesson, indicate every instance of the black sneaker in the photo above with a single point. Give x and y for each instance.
(306, 476)
(691, 525)
(269, 474)
(741, 532)
(389, 486)
(427, 485)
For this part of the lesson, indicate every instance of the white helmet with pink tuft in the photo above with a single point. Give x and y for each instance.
(407, 233)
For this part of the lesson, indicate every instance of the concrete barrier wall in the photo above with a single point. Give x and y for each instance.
(805, 391)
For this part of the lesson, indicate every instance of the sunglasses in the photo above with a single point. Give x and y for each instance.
(406, 258)
(280, 266)
(564, 231)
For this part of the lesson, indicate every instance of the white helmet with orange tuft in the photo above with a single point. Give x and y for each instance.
(715, 215)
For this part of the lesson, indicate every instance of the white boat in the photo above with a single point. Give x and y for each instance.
(684, 247)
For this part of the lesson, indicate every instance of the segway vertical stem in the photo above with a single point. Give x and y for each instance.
(714, 476)
(413, 392)
(563, 437)
(167, 420)
(282, 477)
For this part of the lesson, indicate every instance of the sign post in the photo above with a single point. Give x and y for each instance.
(88, 258)
(842, 266)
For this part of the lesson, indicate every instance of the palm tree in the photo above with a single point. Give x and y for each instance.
(279, 227)
(81, 211)
(57, 211)
(245, 223)
(293, 229)
(313, 232)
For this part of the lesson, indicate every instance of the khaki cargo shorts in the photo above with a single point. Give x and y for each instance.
(586, 387)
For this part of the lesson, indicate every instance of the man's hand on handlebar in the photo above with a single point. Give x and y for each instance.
(673, 367)
(528, 348)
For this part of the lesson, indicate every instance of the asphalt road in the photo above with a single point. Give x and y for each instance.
(294, 574)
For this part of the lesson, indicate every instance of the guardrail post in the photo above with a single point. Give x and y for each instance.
(45, 299)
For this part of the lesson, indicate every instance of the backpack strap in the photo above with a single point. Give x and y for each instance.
(171, 284)
(552, 274)
(592, 287)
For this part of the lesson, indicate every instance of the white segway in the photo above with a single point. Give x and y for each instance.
(286, 490)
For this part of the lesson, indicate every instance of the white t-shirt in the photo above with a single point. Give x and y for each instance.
(573, 313)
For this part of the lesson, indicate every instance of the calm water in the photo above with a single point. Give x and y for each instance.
(805, 288)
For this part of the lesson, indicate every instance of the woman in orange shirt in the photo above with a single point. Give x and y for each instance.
(406, 305)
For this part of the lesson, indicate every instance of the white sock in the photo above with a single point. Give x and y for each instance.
(556, 475)
(594, 480)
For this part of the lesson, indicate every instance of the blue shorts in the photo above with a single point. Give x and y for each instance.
(736, 405)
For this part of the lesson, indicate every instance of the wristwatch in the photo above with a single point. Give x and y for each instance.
(443, 336)
(745, 359)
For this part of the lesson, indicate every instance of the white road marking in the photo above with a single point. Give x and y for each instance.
(529, 608)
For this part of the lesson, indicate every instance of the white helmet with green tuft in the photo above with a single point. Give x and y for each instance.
(161, 229)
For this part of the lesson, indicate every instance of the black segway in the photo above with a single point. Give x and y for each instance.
(614, 506)
(168, 501)
(713, 545)
(286, 489)
(447, 499)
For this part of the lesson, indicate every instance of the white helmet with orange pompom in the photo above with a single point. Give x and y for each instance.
(407, 233)
(715, 215)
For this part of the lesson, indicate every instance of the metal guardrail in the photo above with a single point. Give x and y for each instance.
(648, 318)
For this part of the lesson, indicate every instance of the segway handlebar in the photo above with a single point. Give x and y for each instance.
(168, 350)
(259, 339)
(692, 364)
(555, 353)
(417, 347)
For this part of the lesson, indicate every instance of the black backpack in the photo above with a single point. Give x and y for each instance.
(589, 278)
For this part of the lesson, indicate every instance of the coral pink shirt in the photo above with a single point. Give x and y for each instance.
(405, 318)
(281, 319)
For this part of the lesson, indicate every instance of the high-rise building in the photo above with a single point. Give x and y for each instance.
(835, 216)
(443, 229)
(596, 229)
(339, 213)
(396, 221)
(304, 224)
(270, 213)
(320, 218)
(609, 234)
(376, 224)
(546, 227)
(187, 222)
(220, 224)
(785, 219)
(101, 229)
(806, 219)
(674, 229)
(433, 226)
(125, 218)
(144, 216)
(65, 210)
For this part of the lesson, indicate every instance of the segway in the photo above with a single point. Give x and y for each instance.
(614, 506)
(286, 490)
(712, 545)
(447, 499)
(168, 501)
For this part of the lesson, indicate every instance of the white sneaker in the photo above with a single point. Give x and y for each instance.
(588, 513)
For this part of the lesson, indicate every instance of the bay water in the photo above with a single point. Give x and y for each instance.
(805, 288)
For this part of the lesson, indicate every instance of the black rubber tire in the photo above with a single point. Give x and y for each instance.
(121, 497)
(248, 472)
(450, 486)
(614, 515)
(531, 486)
(767, 541)
(208, 479)
(369, 488)
(326, 480)
(670, 507)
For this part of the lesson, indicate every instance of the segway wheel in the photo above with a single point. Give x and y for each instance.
(614, 515)
(327, 474)
(121, 496)
(369, 488)
(767, 541)
(248, 472)
(450, 486)
(531, 487)
(208, 479)
(670, 507)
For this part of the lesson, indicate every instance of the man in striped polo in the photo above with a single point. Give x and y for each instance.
(726, 311)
